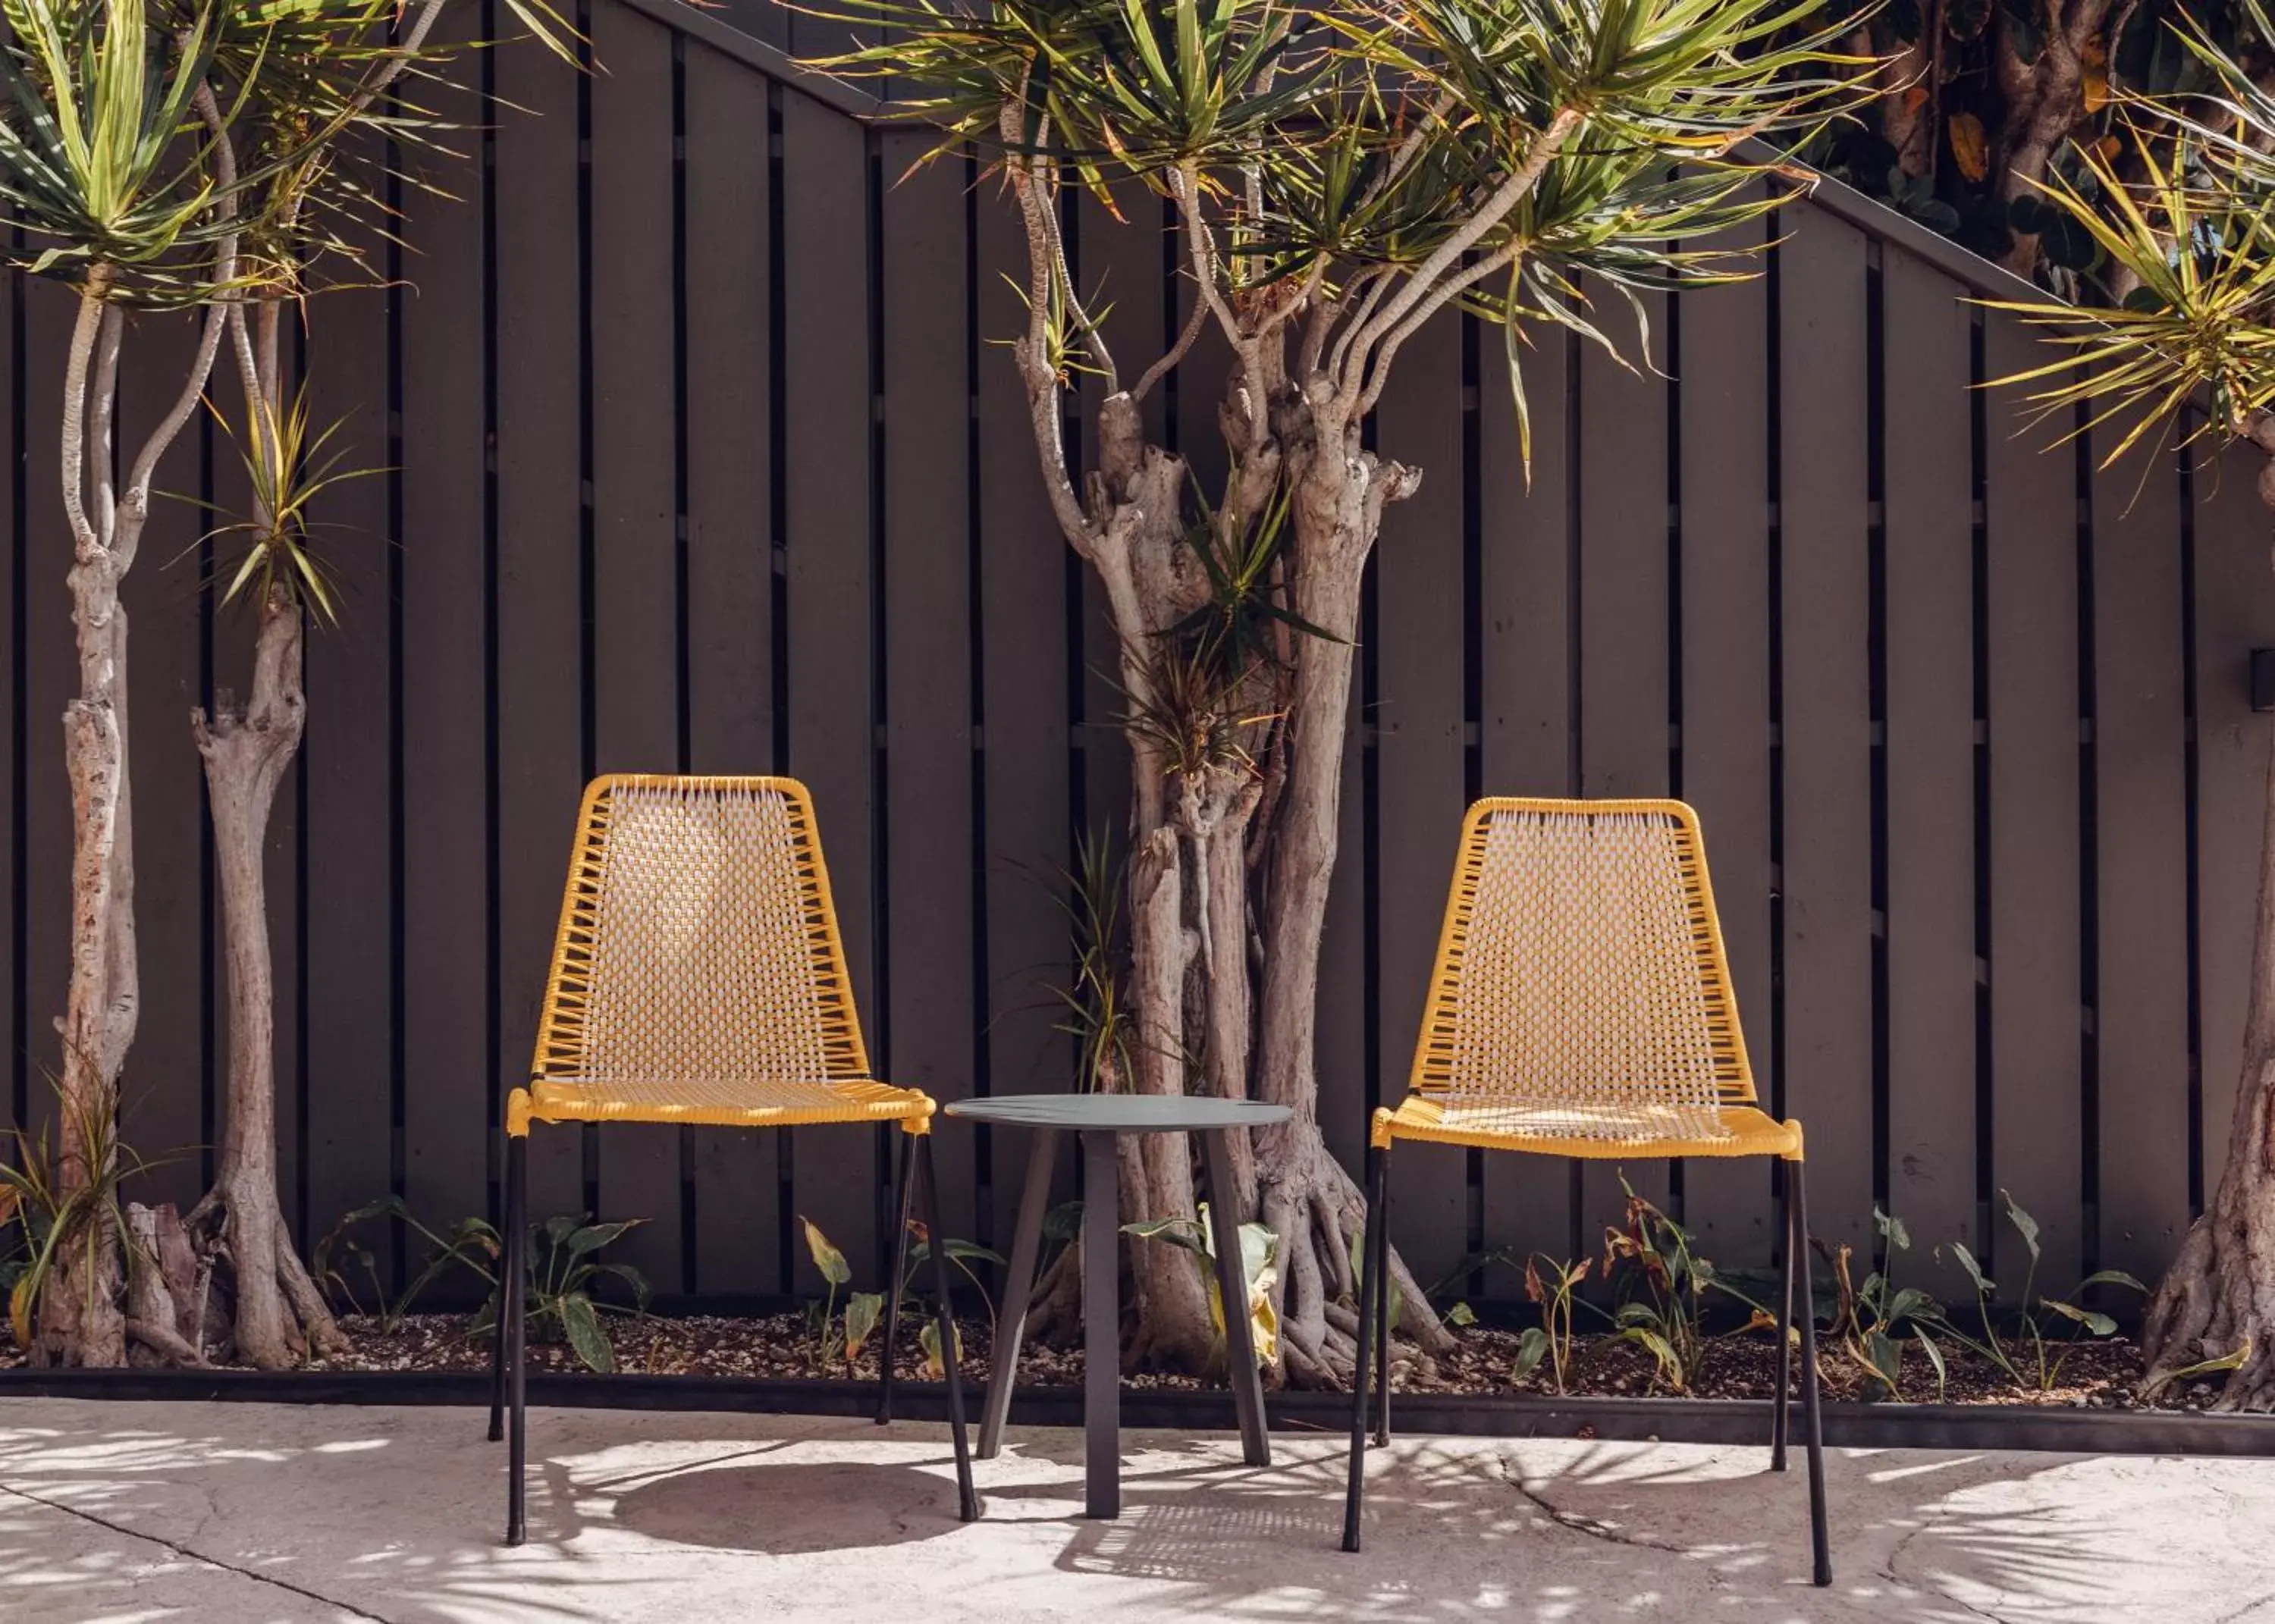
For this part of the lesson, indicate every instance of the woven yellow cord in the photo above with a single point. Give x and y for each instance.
(1581, 1004)
(698, 976)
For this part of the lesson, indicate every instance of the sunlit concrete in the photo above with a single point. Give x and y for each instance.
(245, 1514)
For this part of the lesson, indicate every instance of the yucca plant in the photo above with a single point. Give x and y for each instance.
(2182, 213)
(1340, 175)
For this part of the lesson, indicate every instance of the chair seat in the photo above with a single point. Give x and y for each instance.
(725, 1103)
(1623, 1130)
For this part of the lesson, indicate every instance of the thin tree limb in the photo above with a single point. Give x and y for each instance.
(1169, 357)
(1033, 352)
(101, 407)
(1500, 259)
(86, 544)
(1424, 279)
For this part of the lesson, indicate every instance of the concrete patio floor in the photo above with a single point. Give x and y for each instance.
(246, 1514)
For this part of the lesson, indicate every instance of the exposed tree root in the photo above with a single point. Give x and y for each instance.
(2219, 1295)
(275, 1316)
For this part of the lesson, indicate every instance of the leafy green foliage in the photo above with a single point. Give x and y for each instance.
(2234, 1359)
(2027, 1341)
(1659, 1285)
(1378, 161)
(93, 170)
(842, 1337)
(48, 1211)
(1874, 1324)
(564, 1268)
(1555, 1290)
(1094, 1013)
(272, 549)
(1259, 1268)
(2022, 1327)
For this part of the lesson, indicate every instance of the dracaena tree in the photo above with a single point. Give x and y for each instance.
(333, 82)
(116, 191)
(2182, 213)
(168, 155)
(1340, 175)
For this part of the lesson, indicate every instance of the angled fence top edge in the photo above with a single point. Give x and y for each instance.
(1979, 276)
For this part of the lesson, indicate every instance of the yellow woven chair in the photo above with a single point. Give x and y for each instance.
(1582, 1007)
(699, 978)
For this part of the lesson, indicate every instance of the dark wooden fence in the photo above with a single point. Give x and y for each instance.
(700, 459)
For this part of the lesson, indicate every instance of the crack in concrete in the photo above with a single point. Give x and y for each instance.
(182, 1550)
(1608, 1532)
(1888, 1570)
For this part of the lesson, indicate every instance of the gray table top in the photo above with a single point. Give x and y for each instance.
(1119, 1113)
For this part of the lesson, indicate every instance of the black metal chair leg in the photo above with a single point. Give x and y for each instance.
(513, 1325)
(1369, 1284)
(967, 1497)
(1811, 1420)
(1793, 1243)
(889, 1340)
(497, 1347)
(1379, 1269)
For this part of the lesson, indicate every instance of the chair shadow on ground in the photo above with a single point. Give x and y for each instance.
(1509, 1530)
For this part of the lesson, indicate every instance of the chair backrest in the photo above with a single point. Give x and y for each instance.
(1581, 966)
(697, 941)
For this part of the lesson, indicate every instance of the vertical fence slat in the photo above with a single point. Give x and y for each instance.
(636, 630)
(162, 1102)
(1525, 740)
(2141, 883)
(928, 633)
(1827, 756)
(2235, 611)
(448, 1121)
(825, 203)
(540, 591)
(1623, 628)
(28, 764)
(2030, 520)
(729, 429)
(349, 964)
(1931, 756)
(1023, 648)
(1723, 373)
(1420, 752)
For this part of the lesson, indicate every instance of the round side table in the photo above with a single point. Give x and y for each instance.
(1098, 1118)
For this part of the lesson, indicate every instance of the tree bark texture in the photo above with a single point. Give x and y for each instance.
(1232, 844)
(2218, 1299)
(279, 1314)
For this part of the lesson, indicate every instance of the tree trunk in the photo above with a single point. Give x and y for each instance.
(279, 1313)
(81, 1320)
(1200, 1021)
(2219, 1296)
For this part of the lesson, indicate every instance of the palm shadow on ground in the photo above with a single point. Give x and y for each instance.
(394, 1515)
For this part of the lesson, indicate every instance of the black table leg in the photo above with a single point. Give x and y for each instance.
(1232, 1288)
(1018, 1290)
(1102, 1327)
